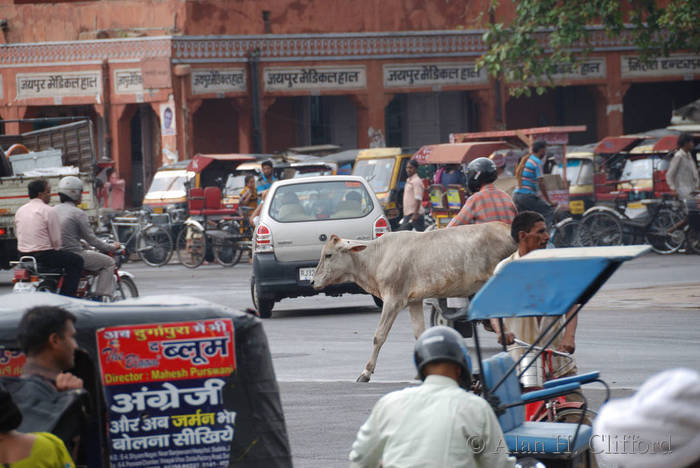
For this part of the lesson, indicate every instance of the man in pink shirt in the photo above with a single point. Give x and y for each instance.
(413, 211)
(39, 235)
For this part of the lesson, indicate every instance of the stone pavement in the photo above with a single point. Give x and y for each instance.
(676, 297)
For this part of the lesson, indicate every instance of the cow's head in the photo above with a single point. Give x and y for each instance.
(336, 264)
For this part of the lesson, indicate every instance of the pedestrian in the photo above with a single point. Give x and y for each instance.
(22, 450)
(659, 426)
(530, 185)
(413, 211)
(267, 177)
(438, 423)
(39, 235)
(487, 203)
(530, 233)
(75, 228)
(682, 175)
(249, 193)
(46, 335)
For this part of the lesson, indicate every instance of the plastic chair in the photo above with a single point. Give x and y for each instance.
(195, 202)
(547, 440)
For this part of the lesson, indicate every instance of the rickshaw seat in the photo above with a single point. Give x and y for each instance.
(196, 201)
(581, 379)
(548, 438)
(212, 203)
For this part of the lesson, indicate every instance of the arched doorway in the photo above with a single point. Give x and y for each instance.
(647, 106)
(215, 127)
(144, 138)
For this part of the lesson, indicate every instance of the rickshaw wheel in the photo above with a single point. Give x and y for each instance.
(599, 229)
(667, 244)
(573, 416)
(191, 246)
(154, 246)
(226, 252)
(436, 318)
(566, 234)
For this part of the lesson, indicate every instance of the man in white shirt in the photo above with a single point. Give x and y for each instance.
(39, 235)
(436, 424)
(413, 211)
(682, 175)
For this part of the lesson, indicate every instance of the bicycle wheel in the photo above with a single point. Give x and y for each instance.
(436, 318)
(154, 245)
(573, 416)
(566, 233)
(226, 251)
(125, 289)
(191, 246)
(599, 229)
(658, 236)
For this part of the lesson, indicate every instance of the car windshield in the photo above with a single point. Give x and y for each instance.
(376, 171)
(642, 168)
(167, 181)
(313, 201)
(578, 171)
(234, 185)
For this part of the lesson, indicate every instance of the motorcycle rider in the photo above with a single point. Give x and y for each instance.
(76, 227)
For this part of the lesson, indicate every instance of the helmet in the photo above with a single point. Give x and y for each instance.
(72, 187)
(480, 172)
(442, 344)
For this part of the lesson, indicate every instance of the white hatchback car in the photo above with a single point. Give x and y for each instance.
(298, 217)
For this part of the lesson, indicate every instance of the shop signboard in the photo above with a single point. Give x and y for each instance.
(218, 80)
(128, 81)
(58, 84)
(674, 65)
(163, 389)
(315, 78)
(417, 75)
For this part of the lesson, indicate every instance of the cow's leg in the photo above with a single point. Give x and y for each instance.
(417, 318)
(390, 310)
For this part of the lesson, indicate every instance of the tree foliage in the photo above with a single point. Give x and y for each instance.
(548, 34)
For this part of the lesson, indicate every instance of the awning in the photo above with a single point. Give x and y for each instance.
(617, 144)
(200, 161)
(457, 153)
(549, 281)
(552, 135)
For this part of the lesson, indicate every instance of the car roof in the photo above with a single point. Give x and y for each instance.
(330, 178)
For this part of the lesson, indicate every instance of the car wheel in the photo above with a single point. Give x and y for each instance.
(378, 302)
(262, 306)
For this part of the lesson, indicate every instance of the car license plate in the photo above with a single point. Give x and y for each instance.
(306, 274)
(158, 209)
(23, 287)
(576, 207)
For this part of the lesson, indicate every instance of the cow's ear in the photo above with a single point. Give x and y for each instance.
(357, 248)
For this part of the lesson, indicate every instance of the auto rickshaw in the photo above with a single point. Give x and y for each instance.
(167, 379)
(579, 175)
(446, 201)
(547, 282)
(168, 188)
(344, 160)
(385, 170)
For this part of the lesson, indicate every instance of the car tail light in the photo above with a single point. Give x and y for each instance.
(21, 275)
(3, 231)
(263, 239)
(381, 226)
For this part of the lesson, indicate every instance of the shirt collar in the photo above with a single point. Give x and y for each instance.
(440, 381)
(533, 155)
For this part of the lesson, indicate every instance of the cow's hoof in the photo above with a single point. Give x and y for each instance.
(362, 378)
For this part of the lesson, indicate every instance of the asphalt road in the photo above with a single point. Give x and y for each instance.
(320, 344)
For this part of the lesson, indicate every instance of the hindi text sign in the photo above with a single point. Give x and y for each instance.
(128, 81)
(223, 80)
(633, 67)
(416, 75)
(315, 78)
(163, 387)
(11, 362)
(58, 84)
(156, 73)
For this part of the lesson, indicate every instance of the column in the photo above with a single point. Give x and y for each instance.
(610, 107)
(371, 125)
(245, 124)
(486, 103)
(14, 113)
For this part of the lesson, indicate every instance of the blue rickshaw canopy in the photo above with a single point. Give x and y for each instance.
(549, 281)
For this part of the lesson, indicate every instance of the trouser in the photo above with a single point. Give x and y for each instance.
(71, 263)
(407, 225)
(530, 202)
(103, 267)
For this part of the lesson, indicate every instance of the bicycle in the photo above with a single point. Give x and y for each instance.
(603, 226)
(152, 243)
(224, 239)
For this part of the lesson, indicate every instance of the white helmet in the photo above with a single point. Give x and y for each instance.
(72, 187)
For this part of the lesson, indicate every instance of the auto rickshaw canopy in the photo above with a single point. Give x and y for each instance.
(201, 161)
(618, 144)
(558, 135)
(549, 281)
(457, 153)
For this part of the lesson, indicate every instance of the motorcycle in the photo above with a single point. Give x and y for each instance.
(30, 276)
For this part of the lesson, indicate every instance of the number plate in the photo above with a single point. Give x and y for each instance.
(24, 287)
(306, 274)
(158, 209)
(576, 207)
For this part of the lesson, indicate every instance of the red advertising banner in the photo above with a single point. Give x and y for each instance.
(11, 362)
(163, 386)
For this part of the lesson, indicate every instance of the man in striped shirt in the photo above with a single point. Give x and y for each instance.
(487, 202)
(526, 196)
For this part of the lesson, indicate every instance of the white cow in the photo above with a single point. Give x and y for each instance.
(403, 268)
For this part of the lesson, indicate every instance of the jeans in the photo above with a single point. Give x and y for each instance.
(530, 202)
(71, 263)
(407, 225)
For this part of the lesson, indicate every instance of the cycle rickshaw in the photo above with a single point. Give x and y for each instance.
(548, 282)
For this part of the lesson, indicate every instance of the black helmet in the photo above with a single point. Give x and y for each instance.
(480, 172)
(443, 344)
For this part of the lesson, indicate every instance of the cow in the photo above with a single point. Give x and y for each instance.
(403, 268)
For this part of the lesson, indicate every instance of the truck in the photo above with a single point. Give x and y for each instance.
(75, 143)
